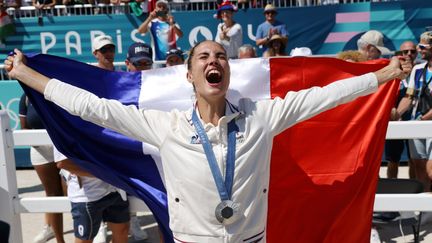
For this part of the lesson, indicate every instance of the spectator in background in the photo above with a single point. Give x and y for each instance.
(229, 33)
(174, 57)
(420, 80)
(104, 52)
(409, 49)
(302, 3)
(270, 27)
(246, 51)
(7, 26)
(371, 45)
(138, 7)
(163, 29)
(103, 49)
(11, 3)
(43, 4)
(105, 202)
(351, 56)
(92, 202)
(276, 46)
(42, 159)
(43, 7)
(139, 57)
(394, 148)
(69, 11)
(301, 52)
(73, 2)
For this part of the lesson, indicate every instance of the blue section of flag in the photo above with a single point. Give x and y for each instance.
(106, 154)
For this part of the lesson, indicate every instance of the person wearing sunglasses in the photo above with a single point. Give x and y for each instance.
(174, 57)
(139, 57)
(394, 148)
(270, 27)
(417, 95)
(408, 49)
(104, 51)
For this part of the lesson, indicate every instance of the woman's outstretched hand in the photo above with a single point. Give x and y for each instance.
(15, 66)
(399, 67)
(13, 63)
(405, 66)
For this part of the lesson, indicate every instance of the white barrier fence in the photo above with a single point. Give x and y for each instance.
(12, 205)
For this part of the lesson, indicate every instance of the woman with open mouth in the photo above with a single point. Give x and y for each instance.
(216, 155)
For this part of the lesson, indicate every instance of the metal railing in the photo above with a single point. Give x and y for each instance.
(63, 10)
(174, 5)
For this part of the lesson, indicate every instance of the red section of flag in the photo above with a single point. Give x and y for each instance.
(324, 170)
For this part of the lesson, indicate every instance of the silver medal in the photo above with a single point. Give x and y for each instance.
(227, 212)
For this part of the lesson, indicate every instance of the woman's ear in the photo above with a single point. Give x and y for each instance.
(189, 77)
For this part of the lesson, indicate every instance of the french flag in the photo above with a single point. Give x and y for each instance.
(323, 171)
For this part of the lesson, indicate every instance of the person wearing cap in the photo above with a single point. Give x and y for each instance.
(270, 27)
(420, 80)
(229, 33)
(139, 57)
(163, 29)
(276, 46)
(174, 57)
(103, 49)
(371, 45)
(301, 52)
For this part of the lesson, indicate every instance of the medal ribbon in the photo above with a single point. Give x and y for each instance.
(224, 189)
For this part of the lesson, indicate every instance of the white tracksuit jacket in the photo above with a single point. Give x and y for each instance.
(192, 193)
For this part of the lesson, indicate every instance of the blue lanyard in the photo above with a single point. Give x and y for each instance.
(224, 189)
